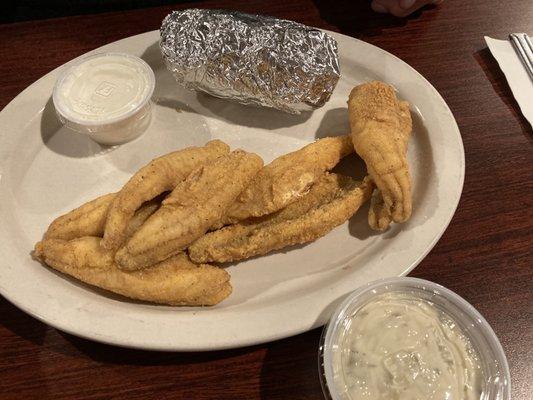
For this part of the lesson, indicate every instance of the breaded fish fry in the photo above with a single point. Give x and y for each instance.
(141, 215)
(289, 177)
(176, 281)
(190, 210)
(329, 203)
(376, 116)
(86, 220)
(89, 219)
(379, 217)
(160, 175)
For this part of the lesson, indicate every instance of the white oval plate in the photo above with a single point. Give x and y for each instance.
(46, 171)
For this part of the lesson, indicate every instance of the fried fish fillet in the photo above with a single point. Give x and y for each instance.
(329, 203)
(289, 177)
(89, 219)
(86, 220)
(379, 217)
(380, 129)
(190, 210)
(160, 175)
(176, 281)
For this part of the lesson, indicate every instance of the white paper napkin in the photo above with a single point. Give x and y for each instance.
(517, 77)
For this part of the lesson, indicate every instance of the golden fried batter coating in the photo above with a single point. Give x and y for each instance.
(289, 177)
(141, 215)
(176, 281)
(379, 217)
(89, 219)
(86, 220)
(381, 126)
(190, 210)
(329, 203)
(160, 175)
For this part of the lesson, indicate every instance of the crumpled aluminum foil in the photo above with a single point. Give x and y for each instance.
(252, 59)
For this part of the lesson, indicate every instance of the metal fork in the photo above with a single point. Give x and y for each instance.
(524, 49)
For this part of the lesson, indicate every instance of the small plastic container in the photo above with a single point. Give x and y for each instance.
(496, 378)
(106, 96)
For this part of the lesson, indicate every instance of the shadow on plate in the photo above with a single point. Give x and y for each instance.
(64, 141)
(250, 116)
(334, 123)
(358, 224)
(173, 104)
(329, 309)
(353, 166)
(152, 56)
(427, 176)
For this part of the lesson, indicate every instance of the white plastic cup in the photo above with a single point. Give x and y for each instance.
(106, 96)
(496, 378)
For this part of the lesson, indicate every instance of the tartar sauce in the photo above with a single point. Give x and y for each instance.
(398, 346)
(107, 96)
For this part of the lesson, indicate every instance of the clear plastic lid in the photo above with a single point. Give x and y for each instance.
(103, 88)
(496, 383)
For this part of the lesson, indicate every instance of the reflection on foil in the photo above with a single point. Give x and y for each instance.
(251, 59)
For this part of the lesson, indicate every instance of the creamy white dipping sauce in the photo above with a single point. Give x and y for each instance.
(398, 346)
(106, 96)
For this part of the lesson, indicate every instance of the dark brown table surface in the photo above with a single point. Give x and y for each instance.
(485, 255)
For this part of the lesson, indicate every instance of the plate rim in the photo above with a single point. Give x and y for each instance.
(229, 343)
